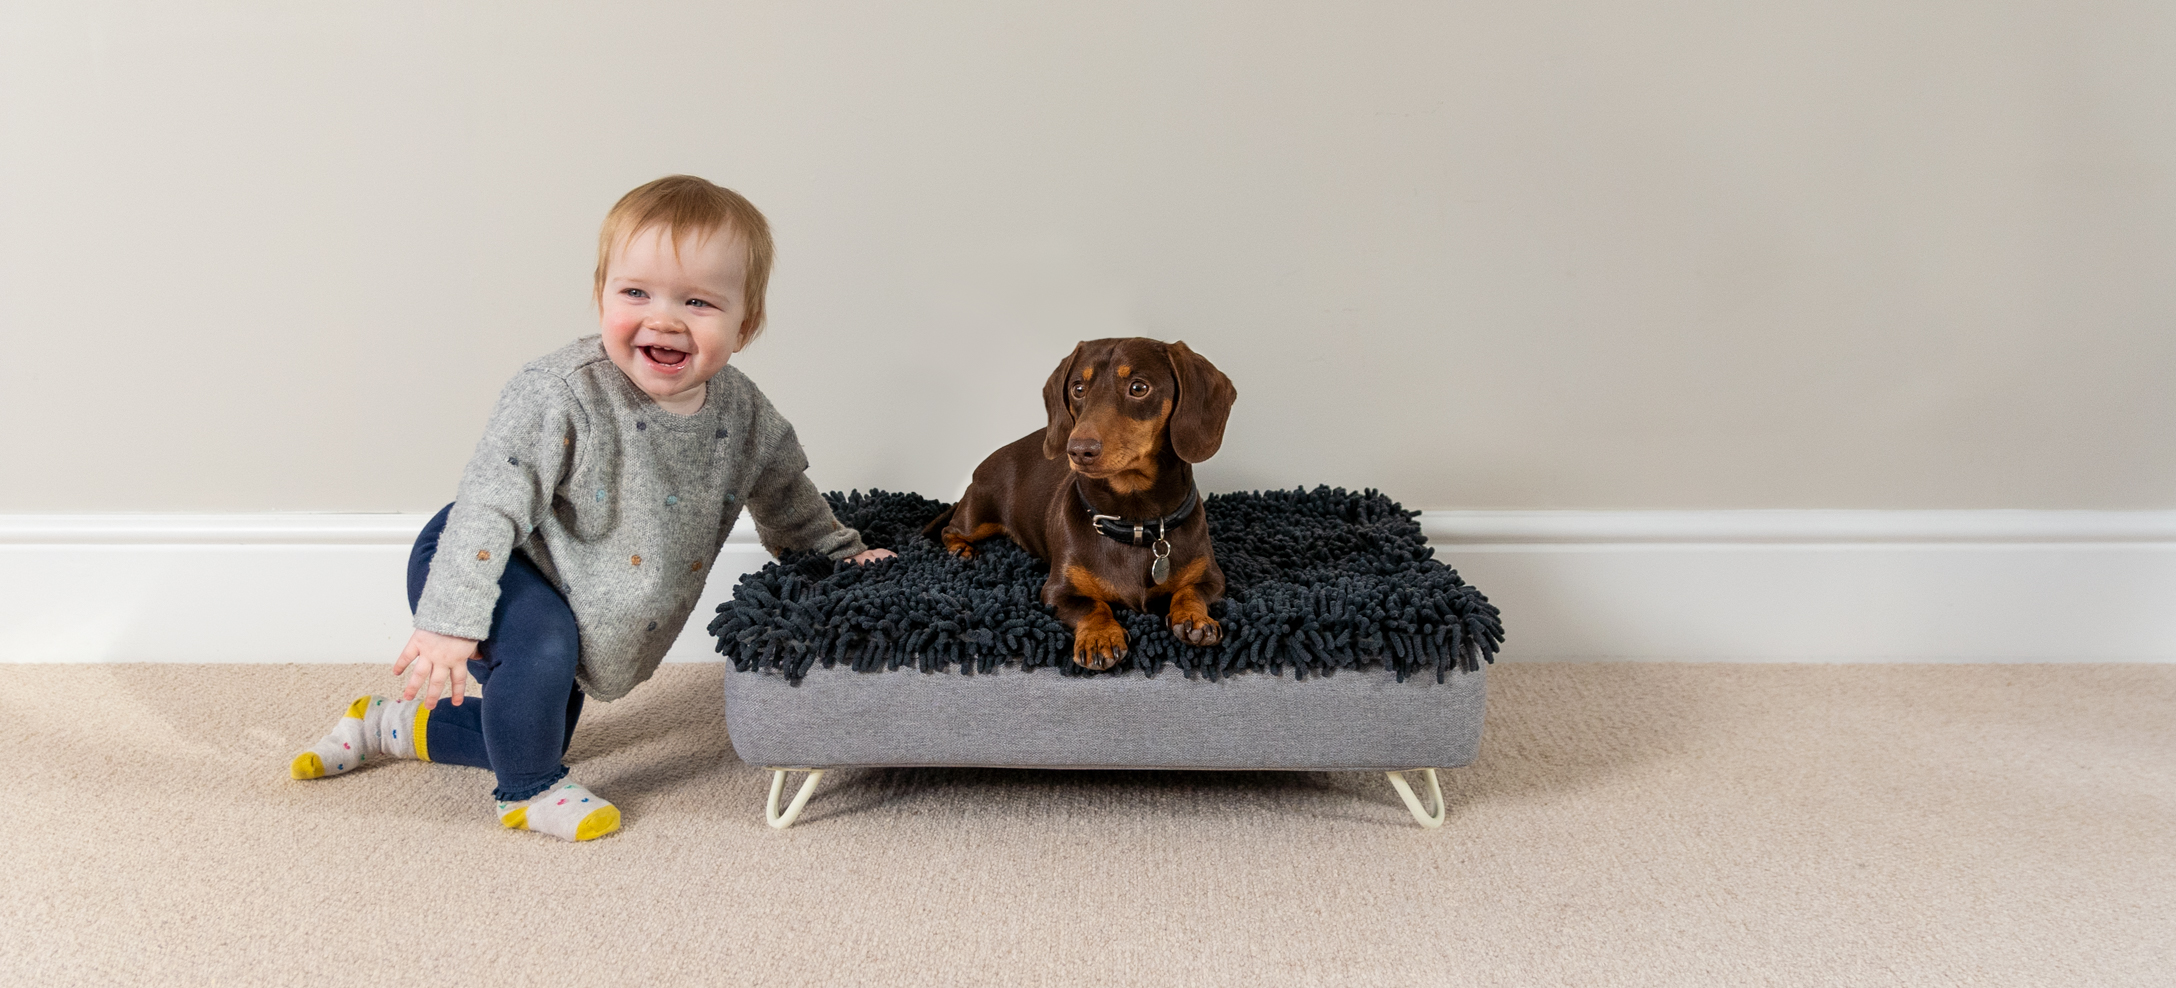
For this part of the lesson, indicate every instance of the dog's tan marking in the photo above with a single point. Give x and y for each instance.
(1087, 374)
(1130, 446)
(1187, 576)
(1125, 370)
(963, 546)
(1131, 482)
(1089, 585)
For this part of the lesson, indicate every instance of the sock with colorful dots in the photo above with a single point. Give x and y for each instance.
(373, 727)
(566, 811)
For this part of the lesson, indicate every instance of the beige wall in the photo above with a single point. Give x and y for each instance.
(279, 256)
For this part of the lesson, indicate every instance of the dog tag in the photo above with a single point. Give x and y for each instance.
(1160, 570)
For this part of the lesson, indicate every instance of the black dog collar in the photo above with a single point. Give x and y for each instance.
(1141, 532)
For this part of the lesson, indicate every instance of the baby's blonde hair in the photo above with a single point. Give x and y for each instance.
(688, 206)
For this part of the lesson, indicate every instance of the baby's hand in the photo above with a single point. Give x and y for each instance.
(438, 660)
(871, 555)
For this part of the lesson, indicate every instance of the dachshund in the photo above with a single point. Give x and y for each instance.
(1105, 492)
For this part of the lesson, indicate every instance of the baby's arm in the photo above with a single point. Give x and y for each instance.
(790, 514)
(507, 488)
(788, 510)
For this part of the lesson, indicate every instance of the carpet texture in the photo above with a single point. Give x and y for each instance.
(1625, 824)
(1315, 581)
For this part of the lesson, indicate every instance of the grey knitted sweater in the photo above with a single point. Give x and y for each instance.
(622, 504)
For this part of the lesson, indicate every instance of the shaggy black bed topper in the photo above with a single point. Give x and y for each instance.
(1316, 580)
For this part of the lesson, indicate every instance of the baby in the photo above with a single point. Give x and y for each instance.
(603, 488)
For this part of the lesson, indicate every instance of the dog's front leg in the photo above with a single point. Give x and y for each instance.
(1193, 589)
(1099, 641)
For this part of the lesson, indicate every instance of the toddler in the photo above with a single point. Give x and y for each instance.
(599, 496)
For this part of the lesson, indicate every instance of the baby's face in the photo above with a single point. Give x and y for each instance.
(672, 319)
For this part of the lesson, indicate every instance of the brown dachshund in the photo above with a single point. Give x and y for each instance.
(1105, 493)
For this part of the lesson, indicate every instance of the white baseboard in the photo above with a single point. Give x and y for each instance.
(238, 588)
(1735, 586)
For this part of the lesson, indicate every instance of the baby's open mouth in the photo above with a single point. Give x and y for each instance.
(666, 357)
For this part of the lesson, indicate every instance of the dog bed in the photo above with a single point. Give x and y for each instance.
(1347, 646)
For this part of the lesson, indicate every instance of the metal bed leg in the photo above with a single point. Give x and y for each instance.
(780, 821)
(1397, 781)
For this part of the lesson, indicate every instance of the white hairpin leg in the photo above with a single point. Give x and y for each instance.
(780, 821)
(1412, 802)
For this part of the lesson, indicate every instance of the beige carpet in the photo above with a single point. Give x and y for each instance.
(1625, 825)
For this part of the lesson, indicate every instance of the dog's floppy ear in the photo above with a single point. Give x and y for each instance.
(1205, 401)
(1055, 405)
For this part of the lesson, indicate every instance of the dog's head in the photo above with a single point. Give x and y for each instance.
(1117, 405)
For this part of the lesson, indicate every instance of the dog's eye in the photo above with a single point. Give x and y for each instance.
(1079, 389)
(1137, 389)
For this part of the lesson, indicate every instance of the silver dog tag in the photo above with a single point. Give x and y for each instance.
(1160, 570)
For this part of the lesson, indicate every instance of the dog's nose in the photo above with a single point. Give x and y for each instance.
(1084, 450)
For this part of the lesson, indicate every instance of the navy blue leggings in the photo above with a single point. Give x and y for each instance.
(527, 666)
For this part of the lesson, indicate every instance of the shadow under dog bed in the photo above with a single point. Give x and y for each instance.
(1346, 646)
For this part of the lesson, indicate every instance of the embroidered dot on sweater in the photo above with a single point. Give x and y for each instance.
(600, 493)
(692, 567)
(652, 627)
(721, 433)
(483, 554)
(512, 462)
(641, 425)
(634, 560)
(671, 499)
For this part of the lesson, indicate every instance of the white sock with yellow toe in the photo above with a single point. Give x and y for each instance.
(566, 811)
(373, 727)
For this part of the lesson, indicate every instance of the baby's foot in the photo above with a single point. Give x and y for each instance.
(373, 727)
(566, 811)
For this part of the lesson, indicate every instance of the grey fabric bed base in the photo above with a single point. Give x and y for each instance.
(1356, 720)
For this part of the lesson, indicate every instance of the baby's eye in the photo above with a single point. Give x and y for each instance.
(699, 303)
(634, 293)
(1137, 388)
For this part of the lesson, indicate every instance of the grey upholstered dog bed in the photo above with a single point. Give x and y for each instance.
(1356, 720)
(1347, 647)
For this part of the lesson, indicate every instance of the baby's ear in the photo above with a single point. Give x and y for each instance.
(1057, 408)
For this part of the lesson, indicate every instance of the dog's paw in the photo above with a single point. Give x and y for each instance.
(958, 546)
(1202, 630)
(1099, 648)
